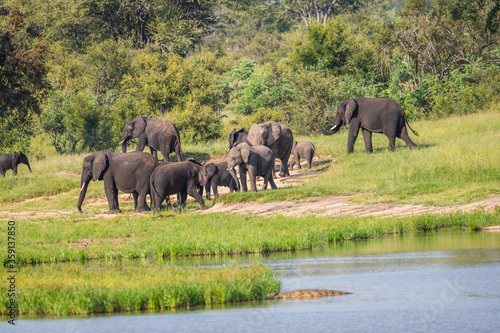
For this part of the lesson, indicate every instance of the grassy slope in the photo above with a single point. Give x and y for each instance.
(457, 162)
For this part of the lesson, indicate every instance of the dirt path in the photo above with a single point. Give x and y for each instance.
(334, 206)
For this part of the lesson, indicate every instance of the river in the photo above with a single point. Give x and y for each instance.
(446, 281)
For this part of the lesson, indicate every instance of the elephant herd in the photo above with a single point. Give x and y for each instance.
(253, 152)
(140, 173)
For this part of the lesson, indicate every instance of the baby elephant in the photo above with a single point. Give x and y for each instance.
(218, 175)
(181, 177)
(257, 160)
(11, 161)
(304, 149)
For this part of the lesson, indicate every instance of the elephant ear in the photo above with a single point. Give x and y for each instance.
(231, 138)
(245, 152)
(100, 163)
(273, 133)
(139, 126)
(350, 108)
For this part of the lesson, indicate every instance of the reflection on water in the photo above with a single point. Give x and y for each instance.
(441, 281)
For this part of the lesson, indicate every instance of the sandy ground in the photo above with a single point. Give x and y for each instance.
(334, 206)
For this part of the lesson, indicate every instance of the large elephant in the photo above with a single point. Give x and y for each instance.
(257, 160)
(218, 175)
(183, 177)
(157, 134)
(278, 137)
(372, 115)
(304, 149)
(128, 173)
(11, 161)
(236, 137)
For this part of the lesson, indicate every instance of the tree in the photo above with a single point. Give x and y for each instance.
(312, 11)
(450, 34)
(22, 77)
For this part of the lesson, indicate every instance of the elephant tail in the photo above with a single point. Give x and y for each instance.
(408, 124)
(155, 196)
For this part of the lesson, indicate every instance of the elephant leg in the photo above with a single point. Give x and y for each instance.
(284, 166)
(392, 142)
(177, 150)
(207, 191)
(112, 196)
(406, 138)
(183, 197)
(253, 179)
(192, 191)
(243, 178)
(367, 136)
(352, 136)
(309, 161)
(135, 196)
(271, 181)
(298, 162)
(140, 202)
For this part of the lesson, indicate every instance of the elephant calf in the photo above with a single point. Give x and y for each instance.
(257, 160)
(304, 149)
(11, 161)
(128, 173)
(182, 177)
(218, 175)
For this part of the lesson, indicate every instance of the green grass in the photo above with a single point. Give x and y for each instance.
(132, 236)
(457, 162)
(101, 288)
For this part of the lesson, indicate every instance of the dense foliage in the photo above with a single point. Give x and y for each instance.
(77, 70)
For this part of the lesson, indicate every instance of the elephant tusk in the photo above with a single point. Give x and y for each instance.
(82, 187)
(331, 129)
(121, 142)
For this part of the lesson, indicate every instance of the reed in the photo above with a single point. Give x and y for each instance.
(190, 234)
(116, 287)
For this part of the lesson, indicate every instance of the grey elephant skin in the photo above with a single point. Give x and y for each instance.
(305, 150)
(218, 175)
(372, 115)
(278, 137)
(183, 177)
(236, 137)
(11, 161)
(157, 134)
(128, 173)
(257, 160)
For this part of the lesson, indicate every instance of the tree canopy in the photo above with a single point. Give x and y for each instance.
(76, 70)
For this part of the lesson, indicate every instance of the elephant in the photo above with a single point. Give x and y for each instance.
(218, 175)
(182, 177)
(304, 149)
(278, 137)
(157, 134)
(257, 160)
(128, 173)
(238, 137)
(11, 161)
(372, 115)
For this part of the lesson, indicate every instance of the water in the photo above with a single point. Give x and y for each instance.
(447, 281)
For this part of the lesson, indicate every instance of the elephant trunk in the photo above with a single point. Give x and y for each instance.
(124, 146)
(83, 191)
(232, 172)
(28, 164)
(333, 130)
